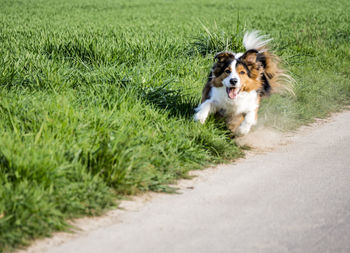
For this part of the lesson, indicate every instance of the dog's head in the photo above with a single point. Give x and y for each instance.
(240, 72)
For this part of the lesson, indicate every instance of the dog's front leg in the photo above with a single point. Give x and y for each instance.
(248, 122)
(203, 110)
(233, 122)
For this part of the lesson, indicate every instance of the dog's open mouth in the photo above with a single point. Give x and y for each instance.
(232, 92)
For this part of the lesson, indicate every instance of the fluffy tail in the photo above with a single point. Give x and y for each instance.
(278, 77)
(253, 40)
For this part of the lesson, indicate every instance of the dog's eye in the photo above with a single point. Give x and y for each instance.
(228, 71)
(242, 72)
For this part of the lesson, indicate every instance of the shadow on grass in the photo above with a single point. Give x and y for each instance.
(175, 101)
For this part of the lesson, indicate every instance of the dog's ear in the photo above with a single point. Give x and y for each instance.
(223, 56)
(252, 60)
(250, 57)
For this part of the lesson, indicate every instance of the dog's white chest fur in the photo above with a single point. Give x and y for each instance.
(244, 103)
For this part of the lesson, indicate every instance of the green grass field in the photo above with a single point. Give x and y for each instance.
(97, 96)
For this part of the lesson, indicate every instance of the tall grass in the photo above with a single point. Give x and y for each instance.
(96, 97)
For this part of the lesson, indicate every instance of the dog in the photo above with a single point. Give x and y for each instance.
(238, 81)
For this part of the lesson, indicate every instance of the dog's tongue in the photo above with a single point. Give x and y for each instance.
(232, 92)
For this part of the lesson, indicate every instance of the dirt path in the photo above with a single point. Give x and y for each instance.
(294, 198)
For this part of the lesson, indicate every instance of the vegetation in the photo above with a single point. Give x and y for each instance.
(97, 97)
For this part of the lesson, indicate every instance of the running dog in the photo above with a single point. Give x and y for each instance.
(238, 81)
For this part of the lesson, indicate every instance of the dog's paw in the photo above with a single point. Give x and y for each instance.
(242, 130)
(201, 117)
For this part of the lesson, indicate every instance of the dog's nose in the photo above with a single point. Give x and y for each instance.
(233, 81)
